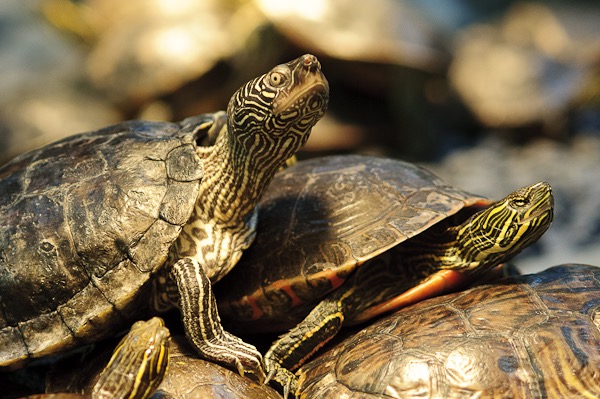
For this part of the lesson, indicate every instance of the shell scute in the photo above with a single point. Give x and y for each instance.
(45, 333)
(88, 301)
(12, 343)
(518, 306)
(46, 274)
(183, 164)
(152, 249)
(177, 200)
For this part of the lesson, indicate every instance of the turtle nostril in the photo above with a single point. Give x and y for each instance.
(310, 61)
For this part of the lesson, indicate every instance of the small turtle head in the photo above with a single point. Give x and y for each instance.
(274, 113)
(498, 233)
(142, 357)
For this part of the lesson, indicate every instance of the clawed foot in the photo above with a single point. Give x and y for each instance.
(282, 378)
(239, 356)
(203, 325)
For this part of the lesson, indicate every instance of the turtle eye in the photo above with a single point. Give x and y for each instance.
(277, 79)
(519, 202)
(47, 246)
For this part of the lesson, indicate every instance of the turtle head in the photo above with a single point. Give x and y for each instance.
(143, 355)
(499, 232)
(274, 113)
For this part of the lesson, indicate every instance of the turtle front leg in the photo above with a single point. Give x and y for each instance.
(203, 325)
(291, 350)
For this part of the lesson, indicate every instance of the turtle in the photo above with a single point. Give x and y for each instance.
(137, 366)
(100, 226)
(188, 376)
(323, 218)
(529, 336)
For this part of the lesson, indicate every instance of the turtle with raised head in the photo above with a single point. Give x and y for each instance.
(345, 238)
(96, 226)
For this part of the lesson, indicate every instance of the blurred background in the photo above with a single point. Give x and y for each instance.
(491, 95)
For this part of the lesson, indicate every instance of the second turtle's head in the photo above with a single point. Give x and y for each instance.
(499, 232)
(273, 114)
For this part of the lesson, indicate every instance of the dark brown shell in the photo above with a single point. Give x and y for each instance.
(192, 378)
(533, 336)
(322, 218)
(83, 224)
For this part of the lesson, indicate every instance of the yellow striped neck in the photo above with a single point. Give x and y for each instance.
(476, 242)
(488, 238)
(233, 182)
(446, 246)
(223, 222)
(443, 249)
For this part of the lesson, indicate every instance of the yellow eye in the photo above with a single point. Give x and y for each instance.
(277, 79)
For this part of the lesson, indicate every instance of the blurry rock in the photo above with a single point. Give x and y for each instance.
(145, 48)
(568, 33)
(34, 119)
(334, 136)
(32, 52)
(530, 68)
(381, 31)
(43, 96)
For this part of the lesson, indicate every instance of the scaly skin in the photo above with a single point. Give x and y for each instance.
(268, 120)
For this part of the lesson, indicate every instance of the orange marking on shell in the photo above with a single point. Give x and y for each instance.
(437, 284)
(257, 313)
(285, 286)
(336, 280)
(290, 292)
(255, 299)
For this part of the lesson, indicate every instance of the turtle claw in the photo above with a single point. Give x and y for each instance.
(286, 389)
(288, 381)
(239, 366)
(252, 368)
(270, 376)
(236, 355)
(283, 378)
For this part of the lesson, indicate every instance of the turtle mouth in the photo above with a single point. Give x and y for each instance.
(543, 211)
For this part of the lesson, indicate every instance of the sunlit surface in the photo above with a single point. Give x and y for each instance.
(378, 30)
(173, 7)
(172, 42)
(313, 10)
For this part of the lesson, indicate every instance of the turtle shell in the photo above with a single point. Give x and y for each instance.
(320, 220)
(192, 378)
(532, 336)
(84, 222)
